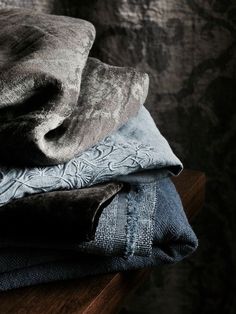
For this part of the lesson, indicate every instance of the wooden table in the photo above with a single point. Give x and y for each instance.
(98, 294)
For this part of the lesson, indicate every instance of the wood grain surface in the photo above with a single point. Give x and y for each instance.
(101, 294)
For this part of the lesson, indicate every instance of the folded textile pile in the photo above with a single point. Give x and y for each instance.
(84, 175)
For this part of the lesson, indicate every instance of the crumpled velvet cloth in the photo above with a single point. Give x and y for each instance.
(171, 239)
(55, 102)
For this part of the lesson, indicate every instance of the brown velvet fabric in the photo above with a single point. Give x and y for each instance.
(58, 217)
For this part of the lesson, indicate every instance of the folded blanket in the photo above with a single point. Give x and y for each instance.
(172, 239)
(54, 101)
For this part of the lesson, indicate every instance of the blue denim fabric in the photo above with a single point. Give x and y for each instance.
(136, 146)
(172, 240)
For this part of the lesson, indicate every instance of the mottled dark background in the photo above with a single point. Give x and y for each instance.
(189, 50)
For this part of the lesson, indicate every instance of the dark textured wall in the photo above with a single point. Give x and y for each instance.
(188, 47)
(189, 50)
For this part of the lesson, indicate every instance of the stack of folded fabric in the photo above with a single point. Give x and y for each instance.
(85, 174)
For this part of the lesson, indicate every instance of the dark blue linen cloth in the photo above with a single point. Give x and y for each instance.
(173, 239)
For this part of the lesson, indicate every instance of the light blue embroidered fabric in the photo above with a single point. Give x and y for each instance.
(136, 146)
